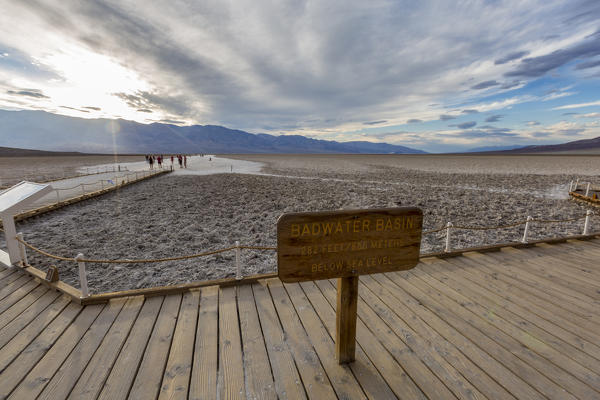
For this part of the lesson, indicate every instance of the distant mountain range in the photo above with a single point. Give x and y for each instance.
(577, 146)
(493, 148)
(46, 131)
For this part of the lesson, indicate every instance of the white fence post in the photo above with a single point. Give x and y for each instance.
(448, 226)
(82, 276)
(571, 186)
(587, 191)
(576, 185)
(526, 232)
(82, 189)
(586, 225)
(22, 250)
(57, 196)
(238, 261)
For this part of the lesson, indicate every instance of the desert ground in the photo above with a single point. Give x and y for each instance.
(186, 213)
(40, 169)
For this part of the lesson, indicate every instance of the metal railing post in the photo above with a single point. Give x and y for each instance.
(526, 232)
(82, 276)
(587, 190)
(586, 225)
(238, 261)
(82, 189)
(448, 227)
(22, 249)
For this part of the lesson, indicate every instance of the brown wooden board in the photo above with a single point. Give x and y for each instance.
(337, 244)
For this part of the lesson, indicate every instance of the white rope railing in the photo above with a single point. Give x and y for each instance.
(81, 260)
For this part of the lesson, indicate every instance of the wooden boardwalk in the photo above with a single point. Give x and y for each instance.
(518, 323)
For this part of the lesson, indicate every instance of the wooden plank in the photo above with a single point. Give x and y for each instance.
(564, 282)
(336, 244)
(475, 373)
(557, 379)
(424, 350)
(345, 337)
(45, 368)
(590, 328)
(529, 285)
(287, 378)
(17, 295)
(174, 289)
(537, 340)
(523, 304)
(12, 375)
(18, 281)
(315, 380)
(203, 382)
(553, 334)
(20, 322)
(18, 307)
(531, 279)
(257, 369)
(60, 285)
(346, 384)
(363, 369)
(394, 375)
(429, 384)
(22, 336)
(69, 372)
(517, 366)
(543, 267)
(92, 379)
(6, 274)
(123, 372)
(231, 370)
(176, 379)
(149, 375)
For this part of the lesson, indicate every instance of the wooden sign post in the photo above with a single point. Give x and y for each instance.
(345, 245)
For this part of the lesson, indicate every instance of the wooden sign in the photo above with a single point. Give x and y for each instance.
(345, 245)
(324, 245)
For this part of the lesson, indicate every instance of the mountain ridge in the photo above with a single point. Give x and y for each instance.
(53, 132)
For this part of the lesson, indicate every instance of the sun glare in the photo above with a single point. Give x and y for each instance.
(92, 79)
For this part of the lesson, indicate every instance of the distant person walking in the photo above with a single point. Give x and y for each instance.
(159, 160)
(151, 162)
(171, 161)
(179, 158)
(184, 161)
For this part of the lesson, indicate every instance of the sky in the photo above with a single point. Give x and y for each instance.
(440, 76)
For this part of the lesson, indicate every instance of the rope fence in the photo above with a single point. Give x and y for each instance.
(81, 260)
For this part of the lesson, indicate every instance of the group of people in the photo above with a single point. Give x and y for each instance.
(151, 159)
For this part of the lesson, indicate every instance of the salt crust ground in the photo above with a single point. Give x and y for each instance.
(177, 215)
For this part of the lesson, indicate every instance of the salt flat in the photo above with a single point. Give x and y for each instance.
(188, 212)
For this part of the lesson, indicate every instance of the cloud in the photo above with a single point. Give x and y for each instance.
(28, 93)
(589, 115)
(465, 125)
(144, 110)
(494, 118)
(569, 106)
(541, 134)
(510, 57)
(413, 121)
(446, 117)
(538, 66)
(487, 133)
(75, 109)
(469, 111)
(510, 85)
(383, 121)
(93, 108)
(485, 85)
(533, 123)
(588, 64)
